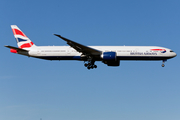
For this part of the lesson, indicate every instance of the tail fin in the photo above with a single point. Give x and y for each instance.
(22, 40)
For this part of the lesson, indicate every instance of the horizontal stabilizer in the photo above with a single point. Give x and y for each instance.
(15, 48)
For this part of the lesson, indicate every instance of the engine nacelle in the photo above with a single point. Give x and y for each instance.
(106, 56)
(109, 58)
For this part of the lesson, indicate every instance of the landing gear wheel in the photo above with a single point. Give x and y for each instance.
(86, 65)
(95, 66)
(90, 63)
(162, 65)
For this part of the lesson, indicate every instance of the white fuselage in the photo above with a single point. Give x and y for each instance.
(122, 52)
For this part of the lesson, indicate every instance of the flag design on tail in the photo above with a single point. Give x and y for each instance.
(22, 40)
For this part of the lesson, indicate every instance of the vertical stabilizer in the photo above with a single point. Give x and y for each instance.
(22, 40)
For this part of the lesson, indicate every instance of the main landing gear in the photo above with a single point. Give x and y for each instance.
(163, 63)
(90, 64)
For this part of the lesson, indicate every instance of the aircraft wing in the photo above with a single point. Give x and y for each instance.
(15, 48)
(81, 48)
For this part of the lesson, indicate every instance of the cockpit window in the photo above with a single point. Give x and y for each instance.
(171, 51)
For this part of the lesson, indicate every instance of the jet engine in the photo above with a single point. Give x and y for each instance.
(110, 59)
(108, 56)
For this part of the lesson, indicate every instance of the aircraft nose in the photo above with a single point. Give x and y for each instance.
(174, 54)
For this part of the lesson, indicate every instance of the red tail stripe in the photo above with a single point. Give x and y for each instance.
(18, 32)
(26, 45)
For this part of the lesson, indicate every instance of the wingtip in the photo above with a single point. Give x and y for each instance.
(57, 35)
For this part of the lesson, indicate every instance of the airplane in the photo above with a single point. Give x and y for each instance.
(109, 55)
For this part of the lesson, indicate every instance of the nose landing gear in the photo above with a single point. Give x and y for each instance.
(163, 63)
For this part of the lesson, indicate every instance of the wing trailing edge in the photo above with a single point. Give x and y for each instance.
(80, 48)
